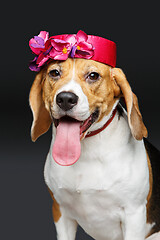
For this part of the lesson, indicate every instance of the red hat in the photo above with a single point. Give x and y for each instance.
(78, 45)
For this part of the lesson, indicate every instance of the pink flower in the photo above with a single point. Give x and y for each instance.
(37, 44)
(40, 45)
(61, 49)
(42, 58)
(33, 66)
(73, 46)
(82, 49)
(53, 48)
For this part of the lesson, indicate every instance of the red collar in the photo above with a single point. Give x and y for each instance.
(104, 126)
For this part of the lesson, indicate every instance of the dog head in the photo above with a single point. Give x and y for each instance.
(81, 93)
(81, 89)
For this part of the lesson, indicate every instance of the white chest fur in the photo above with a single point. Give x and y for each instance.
(110, 176)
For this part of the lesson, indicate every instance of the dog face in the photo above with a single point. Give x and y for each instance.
(81, 90)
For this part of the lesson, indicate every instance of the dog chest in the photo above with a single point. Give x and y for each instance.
(96, 189)
(88, 199)
(95, 211)
(119, 174)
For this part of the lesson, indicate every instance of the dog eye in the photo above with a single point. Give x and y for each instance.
(93, 76)
(54, 74)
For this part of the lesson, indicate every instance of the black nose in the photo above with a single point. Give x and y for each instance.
(66, 100)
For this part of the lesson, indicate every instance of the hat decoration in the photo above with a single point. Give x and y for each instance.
(78, 45)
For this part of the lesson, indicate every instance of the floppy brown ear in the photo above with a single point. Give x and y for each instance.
(41, 117)
(135, 121)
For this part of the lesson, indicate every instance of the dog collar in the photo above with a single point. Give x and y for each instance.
(90, 134)
(63, 46)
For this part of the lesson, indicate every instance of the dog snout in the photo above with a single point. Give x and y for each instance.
(66, 100)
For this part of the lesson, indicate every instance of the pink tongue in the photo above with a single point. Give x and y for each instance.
(67, 147)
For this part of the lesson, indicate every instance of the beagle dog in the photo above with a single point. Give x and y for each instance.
(100, 171)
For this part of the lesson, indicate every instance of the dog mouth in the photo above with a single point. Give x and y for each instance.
(69, 132)
(84, 125)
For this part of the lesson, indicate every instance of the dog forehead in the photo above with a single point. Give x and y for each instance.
(79, 66)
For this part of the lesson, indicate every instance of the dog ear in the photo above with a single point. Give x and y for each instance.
(135, 121)
(41, 117)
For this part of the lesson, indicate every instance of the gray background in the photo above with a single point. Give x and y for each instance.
(25, 205)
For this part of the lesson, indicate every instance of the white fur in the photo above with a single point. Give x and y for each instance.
(81, 110)
(66, 227)
(155, 236)
(105, 191)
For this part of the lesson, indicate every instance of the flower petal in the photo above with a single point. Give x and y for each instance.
(39, 41)
(58, 55)
(73, 51)
(37, 51)
(85, 46)
(44, 35)
(71, 39)
(61, 57)
(81, 36)
(42, 59)
(52, 53)
(48, 44)
(60, 44)
(37, 45)
(48, 51)
(33, 66)
(84, 54)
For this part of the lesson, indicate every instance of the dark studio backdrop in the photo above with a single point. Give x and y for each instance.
(25, 204)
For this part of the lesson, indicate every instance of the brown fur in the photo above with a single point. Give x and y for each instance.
(135, 121)
(150, 180)
(150, 191)
(153, 206)
(100, 93)
(42, 120)
(55, 208)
